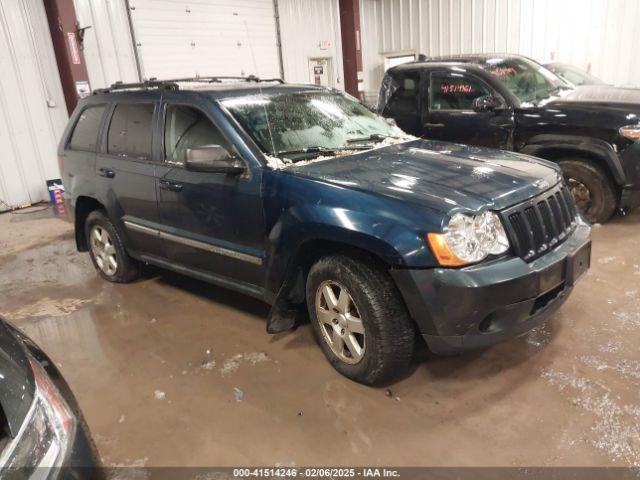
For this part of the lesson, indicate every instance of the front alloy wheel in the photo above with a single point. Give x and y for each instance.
(103, 250)
(359, 318)
(340, 322)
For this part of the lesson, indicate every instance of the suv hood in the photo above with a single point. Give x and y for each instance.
(439, 175)
(17, 386)
(603, 95)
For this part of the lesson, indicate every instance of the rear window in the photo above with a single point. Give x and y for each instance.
(85, 133)
(130, 130)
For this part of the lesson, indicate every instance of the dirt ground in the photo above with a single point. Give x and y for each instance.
(173, 371)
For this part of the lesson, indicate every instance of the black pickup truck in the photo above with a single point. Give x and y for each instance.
(513, 103)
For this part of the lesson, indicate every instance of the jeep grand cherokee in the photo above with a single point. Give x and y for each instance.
(304, 198)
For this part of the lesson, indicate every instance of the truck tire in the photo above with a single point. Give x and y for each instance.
(591, 188)
(359, 318)
(107, 251)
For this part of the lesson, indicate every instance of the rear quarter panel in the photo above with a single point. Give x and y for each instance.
(78, 168)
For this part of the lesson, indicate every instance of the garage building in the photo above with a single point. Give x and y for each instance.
(99, 42)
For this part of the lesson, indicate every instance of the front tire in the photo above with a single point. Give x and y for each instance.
(359, 319)
(107, 251)
(592, 190)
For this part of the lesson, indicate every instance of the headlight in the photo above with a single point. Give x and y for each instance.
(632, 132)
(47, 431)
(469, 239)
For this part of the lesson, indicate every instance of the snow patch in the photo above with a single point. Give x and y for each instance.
(606, 260)
(616, 427)
(209, 365)
(611, 346)
(539, 336)
(232, 364)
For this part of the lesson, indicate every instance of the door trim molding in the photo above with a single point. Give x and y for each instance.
(244, 257)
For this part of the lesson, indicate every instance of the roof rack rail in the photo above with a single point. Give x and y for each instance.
(172, 84)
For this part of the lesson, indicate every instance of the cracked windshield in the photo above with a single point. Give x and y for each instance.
(528, 81)
(306, 125)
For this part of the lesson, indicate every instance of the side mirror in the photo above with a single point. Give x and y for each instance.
(213, 159)
(488, 103)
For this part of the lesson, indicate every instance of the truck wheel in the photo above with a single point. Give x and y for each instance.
(359, 319)
(107, 251)
(591, 188)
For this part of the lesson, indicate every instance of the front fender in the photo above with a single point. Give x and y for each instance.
(549, 146)
(392, 242)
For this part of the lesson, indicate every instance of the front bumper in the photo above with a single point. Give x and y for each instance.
(630, 159)
(630, 198)
(480, 305)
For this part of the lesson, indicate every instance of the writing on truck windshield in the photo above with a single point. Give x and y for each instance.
(527, 80)
(299, 125)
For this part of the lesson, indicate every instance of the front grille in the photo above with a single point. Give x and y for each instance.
(541, 223)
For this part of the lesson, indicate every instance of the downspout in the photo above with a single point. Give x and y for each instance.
(276, 14)
(133, 41)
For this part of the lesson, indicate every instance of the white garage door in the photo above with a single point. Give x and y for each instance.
(177, 38)
(32, 109)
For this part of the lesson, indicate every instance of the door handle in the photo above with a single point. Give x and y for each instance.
(106, 172)
(172, 186)
(434, 125)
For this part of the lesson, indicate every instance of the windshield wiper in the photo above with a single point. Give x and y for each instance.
(374, 137)
(316, 149)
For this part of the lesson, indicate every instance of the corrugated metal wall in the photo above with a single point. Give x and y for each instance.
(595, 34)
(32, 108)
(304, 25)
(108, 48)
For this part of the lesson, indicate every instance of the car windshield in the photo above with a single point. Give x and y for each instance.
(575, 76)
(527, 80)
(299, 125)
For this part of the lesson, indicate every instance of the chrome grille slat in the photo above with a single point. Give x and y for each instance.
(540, 223)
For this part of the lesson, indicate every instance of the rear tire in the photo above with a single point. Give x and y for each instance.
(365, 331)
(107, 251)
(591, 187)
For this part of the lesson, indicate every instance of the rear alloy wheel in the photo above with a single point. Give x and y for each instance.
(359, 318)
(591, 188)
(107, 251)
(103, 250)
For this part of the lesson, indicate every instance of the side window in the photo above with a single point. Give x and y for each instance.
(85, 133)
(187, 127)
(406, 97)
(130, 130)
(454, 91)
